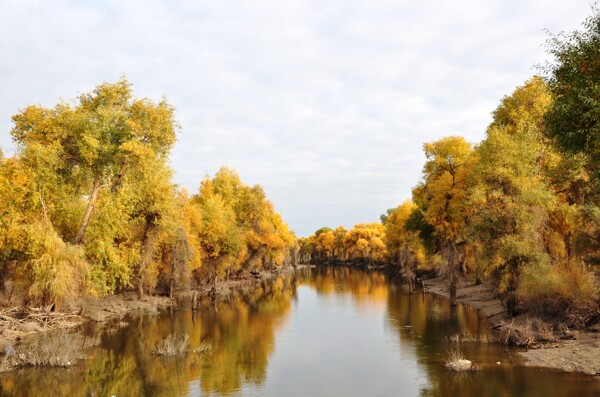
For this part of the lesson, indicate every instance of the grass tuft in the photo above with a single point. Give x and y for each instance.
(58, 349)
(457, 363)
(176, 344)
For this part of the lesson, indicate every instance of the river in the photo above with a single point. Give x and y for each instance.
(322, 332)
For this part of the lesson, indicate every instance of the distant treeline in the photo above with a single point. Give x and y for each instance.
(521, 208)
(88, 205)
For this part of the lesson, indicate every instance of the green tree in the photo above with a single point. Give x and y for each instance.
(573, 119)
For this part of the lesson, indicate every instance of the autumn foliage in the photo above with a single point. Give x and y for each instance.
(88, 205)
(363, 244)
(520, 209)
(513, 209)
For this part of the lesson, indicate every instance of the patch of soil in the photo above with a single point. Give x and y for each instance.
(21, 322)
(480, 296)
(579, 355)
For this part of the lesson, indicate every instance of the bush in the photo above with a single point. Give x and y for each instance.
(56, 270)
(567, 290)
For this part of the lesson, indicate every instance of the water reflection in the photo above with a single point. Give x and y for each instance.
(322, 332)
(241, 330)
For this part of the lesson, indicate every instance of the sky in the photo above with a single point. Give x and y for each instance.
(326, 104)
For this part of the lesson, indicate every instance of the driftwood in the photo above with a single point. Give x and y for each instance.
(44, 318)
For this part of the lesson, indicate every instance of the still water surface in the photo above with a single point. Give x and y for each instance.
(323, 332)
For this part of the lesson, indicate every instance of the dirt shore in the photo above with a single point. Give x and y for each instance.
(580, 354)
(17, 323)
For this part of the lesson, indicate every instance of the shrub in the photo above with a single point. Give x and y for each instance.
(56, 270)
(567, 290)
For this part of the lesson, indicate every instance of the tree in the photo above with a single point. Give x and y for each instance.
(404, 246)
(325, 242)
(239, 227)
(573, 119)
(510, 195)
(338, 242)
(18, 207)
(95, 141)
(153, 217)
(442, 196)
(364, 242)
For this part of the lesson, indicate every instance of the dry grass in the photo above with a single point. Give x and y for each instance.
(58, 349)
(530, 331)
(176, 344)
(566, 291)
(468, 338)
(46, 319)
(457, 363)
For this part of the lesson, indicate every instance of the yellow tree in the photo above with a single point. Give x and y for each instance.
(94, 140)
(404, 245)
(32, 254)
(152, 217)
(509, 193)
(442, 195)
(338, 244)
(190, 223)
(364, 243)
(326, 244)
(219, 235)
(250, 233)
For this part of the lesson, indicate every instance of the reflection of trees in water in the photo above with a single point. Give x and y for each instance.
(241, 330)
(242, 333)
(425, 322)
(343, 280)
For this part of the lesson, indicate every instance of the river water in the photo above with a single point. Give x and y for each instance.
(322, 332)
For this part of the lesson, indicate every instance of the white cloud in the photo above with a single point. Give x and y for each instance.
(326, 104)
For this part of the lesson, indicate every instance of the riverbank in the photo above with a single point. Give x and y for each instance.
(18, 322)
(573, 351)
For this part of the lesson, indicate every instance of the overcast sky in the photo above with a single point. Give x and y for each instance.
(326, 104)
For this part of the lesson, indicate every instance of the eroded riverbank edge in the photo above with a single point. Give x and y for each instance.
(102, 310)
(573, 355)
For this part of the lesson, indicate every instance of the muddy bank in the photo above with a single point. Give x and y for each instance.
(17, 323)
(579, 353)
(480, 297)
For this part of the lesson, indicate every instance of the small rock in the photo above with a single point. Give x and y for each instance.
(460, 365)
(498, 363)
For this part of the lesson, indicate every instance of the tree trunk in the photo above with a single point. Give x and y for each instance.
(452, 289)
(88, 212)
(146, 255)
(93, 198)
(195, 301)
(452, 259)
